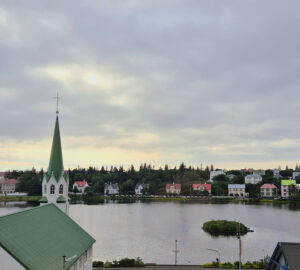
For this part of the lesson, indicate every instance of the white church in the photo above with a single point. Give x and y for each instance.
(45, 237)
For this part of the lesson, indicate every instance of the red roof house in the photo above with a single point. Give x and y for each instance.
(9, 186)
(268, 190)
(81, 185)
(202, 187)
(173, 188)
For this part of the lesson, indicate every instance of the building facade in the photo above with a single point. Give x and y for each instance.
(173, 188)
(296, 175)
(286, 188)
(213, 174)
(140, 188)
(237, 190)
(9, 186)
(253, 179)
(111, 189)
(268, 191)
(202, 188)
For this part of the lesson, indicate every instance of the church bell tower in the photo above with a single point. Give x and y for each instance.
(55, 184)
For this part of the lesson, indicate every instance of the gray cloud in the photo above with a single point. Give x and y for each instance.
(212, 81)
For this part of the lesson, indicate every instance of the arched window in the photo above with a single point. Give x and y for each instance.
(52, 189)
(61, 189)
(45, 189)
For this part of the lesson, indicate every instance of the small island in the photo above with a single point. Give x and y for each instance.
(224, 227)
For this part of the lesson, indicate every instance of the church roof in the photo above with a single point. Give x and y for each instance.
(38, 238)
(56, 166)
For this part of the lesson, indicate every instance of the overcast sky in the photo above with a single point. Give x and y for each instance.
(161, 81)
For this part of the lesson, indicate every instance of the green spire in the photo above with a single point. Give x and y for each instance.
(56, 160)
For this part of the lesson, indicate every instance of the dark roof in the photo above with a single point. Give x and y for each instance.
(291, 252)
(38, 238)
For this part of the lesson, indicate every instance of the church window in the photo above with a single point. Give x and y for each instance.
(45, 189)
(61, 189)
(52, 189)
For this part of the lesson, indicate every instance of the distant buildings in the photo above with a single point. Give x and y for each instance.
(140, 188)
(237, 190)
(214, 174)
(253, 179)
(80, 186)
(173, 188)
(202, 188)
(268, 191)
(260, 172)
(230, 176)
(287, 188)
(296, 175)
(9, 186)
(111, 189)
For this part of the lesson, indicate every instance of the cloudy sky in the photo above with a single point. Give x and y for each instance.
(158, 81)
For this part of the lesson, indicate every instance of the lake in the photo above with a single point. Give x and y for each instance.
(149, 229)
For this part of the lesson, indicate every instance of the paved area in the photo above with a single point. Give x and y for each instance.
(163, 267)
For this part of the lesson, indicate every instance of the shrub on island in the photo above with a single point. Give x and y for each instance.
(224, 227)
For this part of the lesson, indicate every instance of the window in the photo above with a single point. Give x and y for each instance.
(45, 189)
(61, 189)
(52, 189)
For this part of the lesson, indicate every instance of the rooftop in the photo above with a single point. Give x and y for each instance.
(38, 238)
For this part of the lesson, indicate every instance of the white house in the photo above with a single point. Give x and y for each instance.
(253, 179)
(237, 190)
(139, 188)
(55, 184)
(215, 173)
(296, 175)
(80, 186)
(9, 186)
(268, 191)
(111, 189)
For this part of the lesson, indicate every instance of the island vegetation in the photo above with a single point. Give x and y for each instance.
(224, 227)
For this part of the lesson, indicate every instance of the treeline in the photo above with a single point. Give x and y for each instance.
(148, 174)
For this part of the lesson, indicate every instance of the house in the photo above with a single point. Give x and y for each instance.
(81, 186)
(253, 179)
(296, 175)
(214, 174)
(237, 190)
(111, 189)
(268, 191)
(45, 238)
(55, 184)
(140, 188)
(287, 187)
(173, 188)
(9, 186)
(276, 174)
(202, 188)
(285, 257)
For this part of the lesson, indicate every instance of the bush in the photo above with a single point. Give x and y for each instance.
(98, 264)
(224, 227)
(107, 264)
(126, 262)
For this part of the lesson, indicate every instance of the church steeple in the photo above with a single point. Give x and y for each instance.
(56, 166)
(56, 182)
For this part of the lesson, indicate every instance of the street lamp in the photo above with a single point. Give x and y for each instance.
(215, 251)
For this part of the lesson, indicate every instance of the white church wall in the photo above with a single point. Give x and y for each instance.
(8, 262)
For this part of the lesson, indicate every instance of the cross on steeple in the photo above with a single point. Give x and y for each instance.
(57, 98)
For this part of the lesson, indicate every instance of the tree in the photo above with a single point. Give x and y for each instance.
(127, 187)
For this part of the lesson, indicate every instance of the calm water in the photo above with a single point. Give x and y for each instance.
(148, 230)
